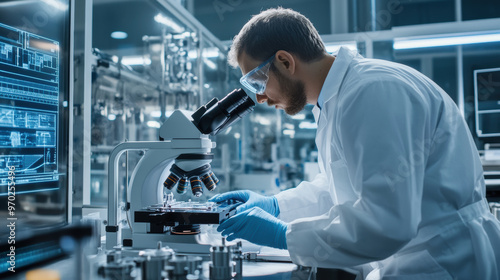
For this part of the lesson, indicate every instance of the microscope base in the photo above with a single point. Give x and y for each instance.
(180, 243)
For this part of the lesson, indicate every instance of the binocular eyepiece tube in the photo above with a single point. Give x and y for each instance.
(217, 115)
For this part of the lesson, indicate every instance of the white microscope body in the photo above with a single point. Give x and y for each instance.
(180, 136)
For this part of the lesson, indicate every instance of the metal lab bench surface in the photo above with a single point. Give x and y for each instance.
(251, 271)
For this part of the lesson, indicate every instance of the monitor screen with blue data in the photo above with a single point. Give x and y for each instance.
(35, 42)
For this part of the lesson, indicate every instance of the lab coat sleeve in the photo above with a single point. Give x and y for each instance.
(380, 128)
(308, 199)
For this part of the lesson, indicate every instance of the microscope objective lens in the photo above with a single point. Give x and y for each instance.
(209, 183)
(196, 186)
(171, 181)
(214, 178)
(183, 185)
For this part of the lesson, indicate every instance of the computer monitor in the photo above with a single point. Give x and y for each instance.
(487, 102)
(35, 86)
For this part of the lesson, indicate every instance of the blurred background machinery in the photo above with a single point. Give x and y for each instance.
(167, 60)
(117, 69)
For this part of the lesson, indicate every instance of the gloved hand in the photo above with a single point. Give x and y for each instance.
(250, 199)
(256, 226)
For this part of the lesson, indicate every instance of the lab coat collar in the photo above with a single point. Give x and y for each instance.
(335, 76)
(316, 110)
(333, 81)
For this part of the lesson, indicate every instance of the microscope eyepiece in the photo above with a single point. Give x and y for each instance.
(217, 115)
(234, 100)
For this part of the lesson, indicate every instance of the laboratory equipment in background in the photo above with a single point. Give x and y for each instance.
(178, 65)
(181, 158)
(125, 106)
(495, 209)
(173, 59)
(35, 116)
(275, 151)
(169, 62)
(487, 116)
(225, 262)
(490, 159)
(487, 102)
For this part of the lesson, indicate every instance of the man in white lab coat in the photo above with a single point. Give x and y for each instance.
(401, 193)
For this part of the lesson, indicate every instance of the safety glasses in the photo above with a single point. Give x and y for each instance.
(256, 80)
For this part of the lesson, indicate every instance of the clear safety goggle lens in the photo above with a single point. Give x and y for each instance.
(256, 80)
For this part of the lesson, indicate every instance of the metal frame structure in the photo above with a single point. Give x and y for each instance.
(476, 104)
(69, 194)
(423, 30)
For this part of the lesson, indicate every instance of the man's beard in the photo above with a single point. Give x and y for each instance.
(294, 92)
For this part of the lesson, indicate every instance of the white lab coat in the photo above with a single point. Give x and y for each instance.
(401, 193)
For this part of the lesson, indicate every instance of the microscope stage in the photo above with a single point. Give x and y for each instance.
(186, 213)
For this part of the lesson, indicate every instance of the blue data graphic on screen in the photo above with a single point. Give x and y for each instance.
(35, 119)
(29, 106)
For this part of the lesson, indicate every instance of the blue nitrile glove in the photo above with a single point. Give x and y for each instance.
(250, 199)
(256, 226)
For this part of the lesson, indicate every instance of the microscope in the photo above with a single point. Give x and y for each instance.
(181, 158)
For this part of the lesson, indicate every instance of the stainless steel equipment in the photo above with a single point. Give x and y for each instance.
(153, 261)
(227, 262)
(163, 263)
(118, 268)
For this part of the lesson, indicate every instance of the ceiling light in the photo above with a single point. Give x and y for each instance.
(445, 40)
(169, 23)
(119, 35)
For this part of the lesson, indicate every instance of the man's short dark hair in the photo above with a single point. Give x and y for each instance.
(277, 29)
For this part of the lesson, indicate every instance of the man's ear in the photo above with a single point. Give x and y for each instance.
(286, 61)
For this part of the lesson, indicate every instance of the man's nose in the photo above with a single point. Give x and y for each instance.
(261, 98)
